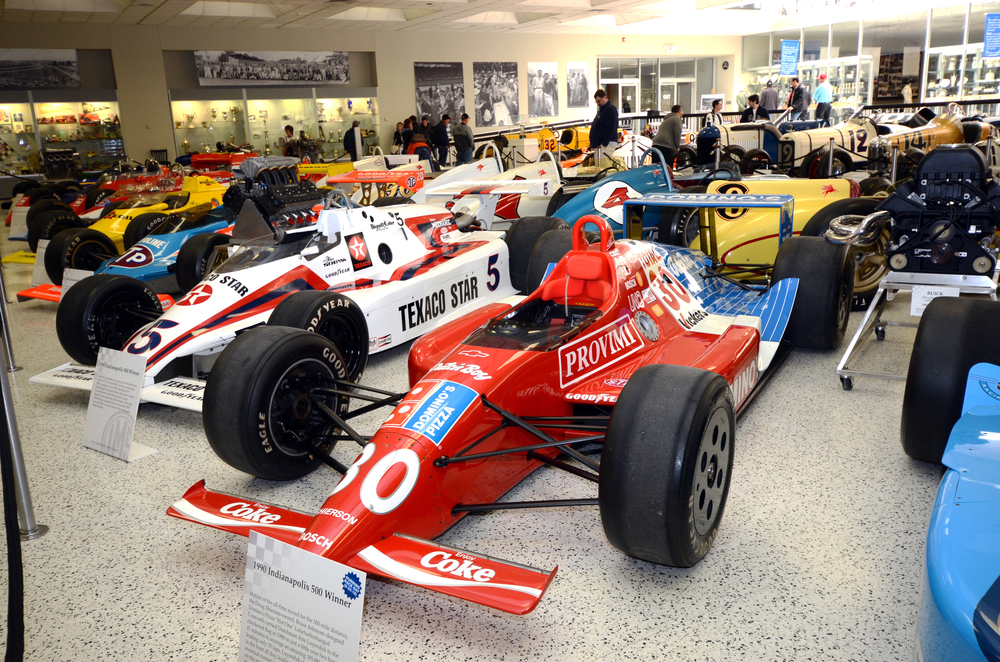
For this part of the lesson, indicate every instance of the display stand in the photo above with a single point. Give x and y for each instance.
(887, 289)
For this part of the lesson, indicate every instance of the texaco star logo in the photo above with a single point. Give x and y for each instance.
(357, 249)
(199, 294)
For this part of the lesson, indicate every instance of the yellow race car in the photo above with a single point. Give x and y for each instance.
(126, 224)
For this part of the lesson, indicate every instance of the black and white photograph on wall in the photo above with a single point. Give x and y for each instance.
(440, 90)
(271, 67)
(496, 93)
(577, 85)
(543, 89)
(32, 68)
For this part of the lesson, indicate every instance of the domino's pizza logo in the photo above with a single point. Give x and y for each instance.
(360, 257)
(351, 585)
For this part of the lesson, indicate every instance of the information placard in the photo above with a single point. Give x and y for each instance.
(70, 278)
(299, 606)
(114, 404)
(789, 57)
(924, 294)
(991, 36)
(38, 274)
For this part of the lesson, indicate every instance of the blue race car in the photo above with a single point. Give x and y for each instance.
(960, 594)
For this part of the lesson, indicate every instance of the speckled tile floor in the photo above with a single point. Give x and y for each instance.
(818, 557)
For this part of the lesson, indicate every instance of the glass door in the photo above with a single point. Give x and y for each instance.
(668, 92)
(629, 98)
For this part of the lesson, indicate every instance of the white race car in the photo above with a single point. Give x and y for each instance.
(369, 278)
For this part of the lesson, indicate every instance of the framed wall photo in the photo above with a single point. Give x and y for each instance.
(34, 68)
(497, 102)
(440, 90)
(543, 89)
(249, 68)
(577, 85)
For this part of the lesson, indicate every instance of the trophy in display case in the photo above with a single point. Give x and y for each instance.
(190, 118)
(204, 124)
(321, 107)
(214, 112)
(267, 140)
(178, 123)
(186, 146)
(225, 115)
(233, 110)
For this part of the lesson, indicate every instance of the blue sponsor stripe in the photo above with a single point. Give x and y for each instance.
(440, 410)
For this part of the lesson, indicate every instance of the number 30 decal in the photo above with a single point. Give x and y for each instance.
(369, 494)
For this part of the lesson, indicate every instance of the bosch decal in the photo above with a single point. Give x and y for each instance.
(440, 410)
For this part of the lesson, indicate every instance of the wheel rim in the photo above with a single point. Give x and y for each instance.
(121, 316)
(844, 301)
(758, 162)
(871, 266)
(690, 227)
(345, 335)
(713, 462)
(88, 255)
(293, 415)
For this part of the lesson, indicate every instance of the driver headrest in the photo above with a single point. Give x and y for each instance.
(585, 267)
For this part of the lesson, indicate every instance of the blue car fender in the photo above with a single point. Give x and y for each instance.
(605, 197)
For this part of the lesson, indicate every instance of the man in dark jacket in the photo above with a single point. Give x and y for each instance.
(668, 137)
(604, 129)
(754, 110)
(796, 100)
(464, 140)
(350, 141)
(440, 139)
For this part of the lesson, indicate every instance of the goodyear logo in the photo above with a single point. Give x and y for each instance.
(444, 405)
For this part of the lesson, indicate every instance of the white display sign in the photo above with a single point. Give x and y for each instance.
(38, 273)
(70, 278)
(924, 294)
(114, 404)
(299, 606)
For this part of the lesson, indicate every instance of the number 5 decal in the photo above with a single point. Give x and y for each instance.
(494, 274)
(150, 339)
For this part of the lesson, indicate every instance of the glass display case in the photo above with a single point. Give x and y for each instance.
(91, 128)
(199, 125)
(851, 89)
(18, 142)
(981, 74)
(944, 73)
(336, 116)
(755, 79)
(268, 117)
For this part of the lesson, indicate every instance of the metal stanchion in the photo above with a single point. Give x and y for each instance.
(30, 529)
(11, 364)
(718, 154)
(829, 167)
(895, 164)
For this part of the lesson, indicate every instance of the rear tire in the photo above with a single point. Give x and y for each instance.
(521, 239)
(256, 401)
(816, 164)
(550, 248)
(43, 192)
(142, 225)
(95, 314)
(95, 195)
(334, 316)
(676, 228)
(23, 187)
(195, 258)
(44, 205)
(872, 185)
(77, 249)
(754, 160)
(954, 335)
(686, 157)
(50, 223)
(665, 471)
(392, 200)
(823, 300)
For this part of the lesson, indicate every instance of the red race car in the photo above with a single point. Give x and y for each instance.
(638, 352)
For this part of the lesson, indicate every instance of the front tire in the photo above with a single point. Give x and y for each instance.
(954, 334)
(50, 223)
(259, 413)
(521, 239)
(665, 470)
(549, 249)
(103, 311)
(826, 284)
(334, 316)
(77, 249)
(754, 160)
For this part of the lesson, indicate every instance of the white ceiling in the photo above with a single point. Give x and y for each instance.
(661, 17)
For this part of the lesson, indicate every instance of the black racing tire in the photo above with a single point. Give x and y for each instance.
(814, 165)
(194, 259)
(675, 227)
(23, 187)
(256, 401)
(142, 225)
(872, 185)
(43, 192)
(550, 248)
(110, 207)
(48, 224)
(98, 312)
(69, 184)
(908, 162)
(754, 160)
(686, 156)
(94, 195)
(661, 494)
(954, 334)
(870, 265)
(42, 206)
(77, 248)
(823, 300)
(392, 200)
(555, 202)
(733, 153)
(521, 239)
(334, 316)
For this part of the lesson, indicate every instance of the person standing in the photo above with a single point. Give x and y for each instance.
(440, 138)
(824, 100)
(464, 140)
(350, 141)
(796, 100)
(908, 91)
(754, 110)
(604, 128)
(714, 118)
(769, 98)
(668, 137)
(407, 133)
(741, 100)
(397, 139)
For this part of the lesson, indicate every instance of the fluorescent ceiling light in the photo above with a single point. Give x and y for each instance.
(585, 4)
(230, 9)
(370, 14)
(598, 21)
(99, 6)
(492, 17)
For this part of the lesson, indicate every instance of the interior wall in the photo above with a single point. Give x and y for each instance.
(144, 64)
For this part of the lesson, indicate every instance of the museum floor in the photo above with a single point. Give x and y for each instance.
(818, 557)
